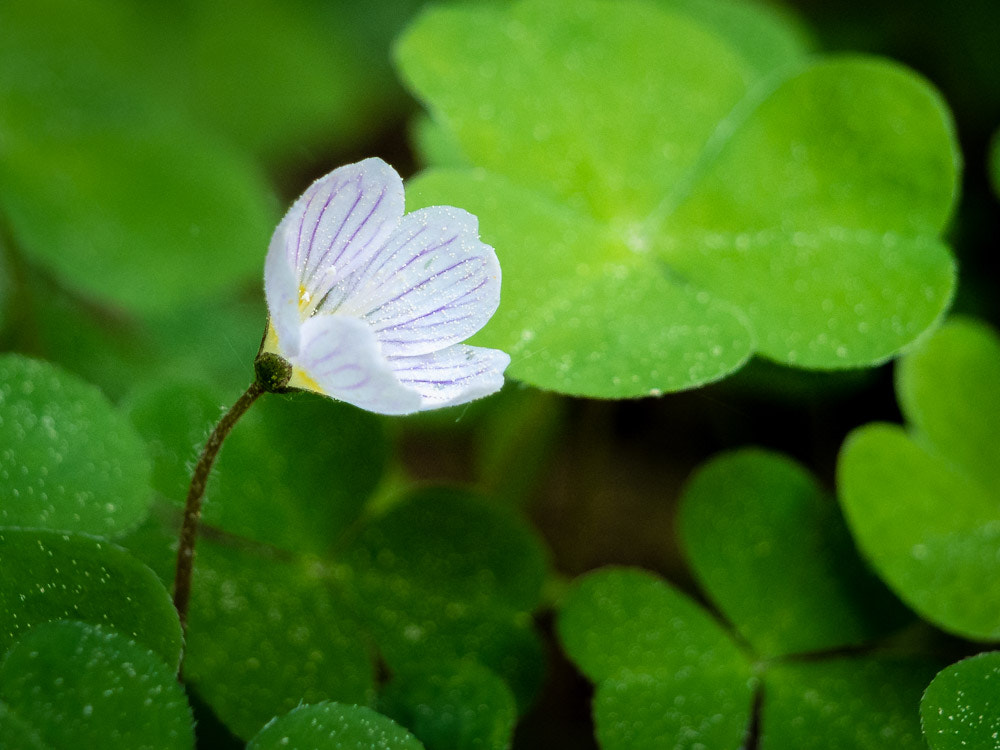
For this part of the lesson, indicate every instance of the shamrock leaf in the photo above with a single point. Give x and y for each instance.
(452, 705)
(764, 36)
(52, 576)
(296, 592)
(773, 556)
(664, 668)
(773, 551)
(70, 460)
(922, 502)
(866, 703)
(766, 39)
(78, 685)
(961, 708)
(103, 180)
(320, 76)
(452, 578)
(314, 727)
(645, 251)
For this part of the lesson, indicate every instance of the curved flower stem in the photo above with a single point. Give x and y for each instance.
(192, 508)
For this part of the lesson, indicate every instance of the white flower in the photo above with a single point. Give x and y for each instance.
(369, 306)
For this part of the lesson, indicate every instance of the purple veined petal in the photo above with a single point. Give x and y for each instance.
(339, 221)
(451, 376)
(339, 357)
(281, 289)
(434, 283)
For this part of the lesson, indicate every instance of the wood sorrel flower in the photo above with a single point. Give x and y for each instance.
(369, 306)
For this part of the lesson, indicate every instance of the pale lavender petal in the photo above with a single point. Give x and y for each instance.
(340, 358)
(452, 376)
(281, 289)
(432, 285)
(340, 220)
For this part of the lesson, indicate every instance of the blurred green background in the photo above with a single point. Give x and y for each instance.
(219, 113)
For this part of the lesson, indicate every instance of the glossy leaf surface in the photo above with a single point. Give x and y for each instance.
(922, 503)
(81, 685)
(600, 199)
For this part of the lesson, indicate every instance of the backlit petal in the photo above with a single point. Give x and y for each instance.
(340, 221)
(281, 289)
(340, 358)
(433, 284)
(454, 375)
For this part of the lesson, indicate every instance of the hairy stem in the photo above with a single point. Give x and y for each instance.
(192, 507)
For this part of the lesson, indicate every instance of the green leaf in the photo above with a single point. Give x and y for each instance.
(288, 574)
(80, 685)
(294, 473)
(452, 706)
(318, 76)
(771, 549)
(638, 711)
(265, 635)
(434, 144)
(443, 575)
(799, 218)
(267, 628)
(922, 505)
(765, 36)
(282, 554)
(567, 290)
(210, 207)
(70, 460)
(326, 725)
(104, 182)
(666, 672)
(859, 703)
(961, 708)
(929, 531)
(15, 732)
(948, 393)
(52, 576)
(792, 203)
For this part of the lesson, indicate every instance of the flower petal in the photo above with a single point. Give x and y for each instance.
(433, 284)
(281, 289)
(454, 375)
(339, 357)
(338, 222)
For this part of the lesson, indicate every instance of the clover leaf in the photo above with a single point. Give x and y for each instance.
(319, 76)
(70, 461)
(771, 547)
(864, 702)
(766, 39)
(103, 179)
(443, 576)
(452, 705)
(961, 708)
(764, 36)
(773, 556)
(664, 668)
(73, 684)
(296, 592)
(323, 725)
(922, 501)
(661, 213)
(53, 576)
